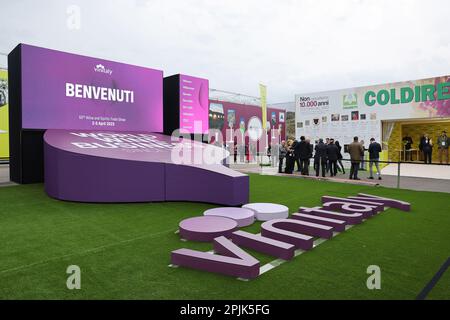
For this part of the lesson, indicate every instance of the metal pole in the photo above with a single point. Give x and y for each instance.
(398, 175)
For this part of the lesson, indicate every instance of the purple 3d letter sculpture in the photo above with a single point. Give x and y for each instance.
(279, 237)
(232, 260)
(88, 166)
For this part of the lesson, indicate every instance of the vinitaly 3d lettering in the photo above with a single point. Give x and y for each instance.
(280, 237)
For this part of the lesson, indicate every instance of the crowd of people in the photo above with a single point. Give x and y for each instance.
(327, 157)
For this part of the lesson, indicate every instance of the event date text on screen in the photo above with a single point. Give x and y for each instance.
(103, 123)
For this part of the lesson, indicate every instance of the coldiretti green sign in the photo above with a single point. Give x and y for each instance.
(422, 93)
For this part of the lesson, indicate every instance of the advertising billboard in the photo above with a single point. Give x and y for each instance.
(194, 94)
(4, 128)
(68, 91)
(225, 115)
(345, 113)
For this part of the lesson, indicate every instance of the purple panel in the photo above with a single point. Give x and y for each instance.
(235, 263)
(76, 177)
(206, 228)
(132, 167)
(376, 207)
(393, 203)
(304, 227)
(265, 245)
(348, 207)
(273, 229)
(349, 218)
(338, 225)
(205, 185)
(48, 104)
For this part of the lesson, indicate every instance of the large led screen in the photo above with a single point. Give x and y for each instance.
(68, 91)
(194, 104)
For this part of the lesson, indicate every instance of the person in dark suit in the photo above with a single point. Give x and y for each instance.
(296, 149)
(340, 157)
(426, 145)
(290, 158)
(320, 157)
(303, 150)
(332, 155)
(374, 157)
(310, 155)
(327, 142)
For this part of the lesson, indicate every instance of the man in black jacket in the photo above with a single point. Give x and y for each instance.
(320, 157)
(332, 154)
(303, 150)
(374, 157)
(296, 149)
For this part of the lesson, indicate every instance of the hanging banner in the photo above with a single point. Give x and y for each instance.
(4, 128)
(263, 94)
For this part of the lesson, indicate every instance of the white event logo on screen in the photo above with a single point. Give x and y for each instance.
(101, 68)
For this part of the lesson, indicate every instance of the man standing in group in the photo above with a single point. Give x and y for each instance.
(303, 149)
(320, 157)
(362, 165)
(327, 142)
(308, 159)
(443, 144)
(296, 149)
(374, 157)
(332, 155)
(281, 155)
(355, 149)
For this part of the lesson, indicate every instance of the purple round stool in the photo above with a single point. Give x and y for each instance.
(243, 217)
(206, 228)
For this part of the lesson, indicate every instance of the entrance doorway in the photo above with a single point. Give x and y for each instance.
(395, 132)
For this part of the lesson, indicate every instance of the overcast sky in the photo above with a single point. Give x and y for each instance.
(291, 46)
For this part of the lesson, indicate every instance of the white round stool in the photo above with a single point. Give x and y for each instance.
(268, 211)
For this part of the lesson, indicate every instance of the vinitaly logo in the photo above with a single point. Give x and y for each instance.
(101, 68)
(350, 101)
(282, 236)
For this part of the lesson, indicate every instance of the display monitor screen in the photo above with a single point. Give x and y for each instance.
(194, 104)
(67, 91)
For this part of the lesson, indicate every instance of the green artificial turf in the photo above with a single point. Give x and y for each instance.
(123, 250)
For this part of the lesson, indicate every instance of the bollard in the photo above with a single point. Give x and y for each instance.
(398, 175)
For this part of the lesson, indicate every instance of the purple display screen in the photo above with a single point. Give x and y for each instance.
(194, 104)
(68, 91)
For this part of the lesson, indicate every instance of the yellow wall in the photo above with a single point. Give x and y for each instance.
(434, 130)
(4, 128)
(415, 131)
(395, 142)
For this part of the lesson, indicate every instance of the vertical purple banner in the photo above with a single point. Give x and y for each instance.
(68, 91)
(194, 103)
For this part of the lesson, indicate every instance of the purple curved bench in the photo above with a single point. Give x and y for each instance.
(89, 166)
